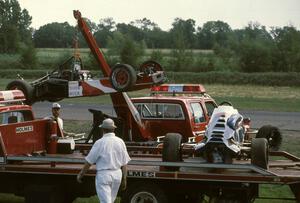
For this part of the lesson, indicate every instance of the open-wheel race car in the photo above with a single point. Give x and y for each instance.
(228, 136)
(71, 80)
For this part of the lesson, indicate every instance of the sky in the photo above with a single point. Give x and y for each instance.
(237, 13)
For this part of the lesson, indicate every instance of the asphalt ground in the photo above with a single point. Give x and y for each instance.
(283, 120)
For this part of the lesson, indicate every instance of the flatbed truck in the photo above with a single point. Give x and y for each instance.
(52, 178)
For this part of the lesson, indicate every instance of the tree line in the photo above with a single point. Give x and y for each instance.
(249, 49)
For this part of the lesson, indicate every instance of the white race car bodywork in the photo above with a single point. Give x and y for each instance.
(225, 127)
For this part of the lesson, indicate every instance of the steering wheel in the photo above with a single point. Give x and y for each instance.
(225, 103)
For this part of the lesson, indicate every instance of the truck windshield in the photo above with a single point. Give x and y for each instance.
(160, 111)
(15, 117)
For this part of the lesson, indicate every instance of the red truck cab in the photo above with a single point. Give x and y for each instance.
(21, 133)
(174, 108)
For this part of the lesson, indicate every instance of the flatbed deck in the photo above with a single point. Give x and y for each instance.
(149, 168)
(280, 171)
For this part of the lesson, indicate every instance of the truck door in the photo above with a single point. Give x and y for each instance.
(198, 119)
(21, 134)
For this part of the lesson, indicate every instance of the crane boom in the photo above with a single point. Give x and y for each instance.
(123, 106)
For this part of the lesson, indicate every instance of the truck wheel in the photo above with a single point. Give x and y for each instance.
(25, 87)
(272, 134)
(149, 67)
(140, 193)
(172, 149)
(259, 152)
(122, 77)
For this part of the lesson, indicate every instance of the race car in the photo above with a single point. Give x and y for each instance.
(71, 80)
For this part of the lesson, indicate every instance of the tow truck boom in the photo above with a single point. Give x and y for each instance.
(123, 106)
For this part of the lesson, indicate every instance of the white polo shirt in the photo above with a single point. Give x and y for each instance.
(109, 153)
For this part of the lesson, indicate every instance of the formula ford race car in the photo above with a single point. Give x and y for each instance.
(228, 136)
(70, 80)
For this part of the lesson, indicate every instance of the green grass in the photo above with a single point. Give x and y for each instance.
(275, 191)
(10, 198)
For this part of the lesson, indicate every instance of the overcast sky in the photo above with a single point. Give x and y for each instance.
(237, 13)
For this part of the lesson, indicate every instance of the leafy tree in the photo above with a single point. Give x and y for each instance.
(14, 26)
(156, 55)
(153, 36)
(212, 32)
(158, 38)
(55, 35)
(131, 31)
(104, 30)
(127, 50)
(182, 33)
(144, 24)
(287, 57)
(255, 48)
(181, 60)
(28, 56)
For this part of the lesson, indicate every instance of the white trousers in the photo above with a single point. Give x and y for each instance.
(107, 185)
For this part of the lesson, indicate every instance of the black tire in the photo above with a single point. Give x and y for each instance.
(142, 192)
(149, 67)
(122, 77)
(25, 87)
(55, 99)
(172, 149)
(226, 103)
(272, 134)
(259, 152)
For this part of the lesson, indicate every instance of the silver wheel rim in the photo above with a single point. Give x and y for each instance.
(143, 197)
(115, 78)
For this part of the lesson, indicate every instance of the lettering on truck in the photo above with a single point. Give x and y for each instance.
(24, 129)
(145, 174)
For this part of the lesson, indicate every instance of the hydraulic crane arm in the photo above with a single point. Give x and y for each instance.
(121, 102)
(92, 43)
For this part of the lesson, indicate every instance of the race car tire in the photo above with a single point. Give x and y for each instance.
(149, 67)
(122, 77)
(272, 134)
(55, 99)
(172, 149)
(225, 103)
(25, 87)
(259, 152)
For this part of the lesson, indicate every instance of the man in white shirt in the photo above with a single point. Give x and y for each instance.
(111, 158)
(55, 116)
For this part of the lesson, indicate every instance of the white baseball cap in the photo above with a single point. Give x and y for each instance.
(55, 105)
(108, 124)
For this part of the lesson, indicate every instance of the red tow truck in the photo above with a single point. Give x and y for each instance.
(174, 108)
(32, 167)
